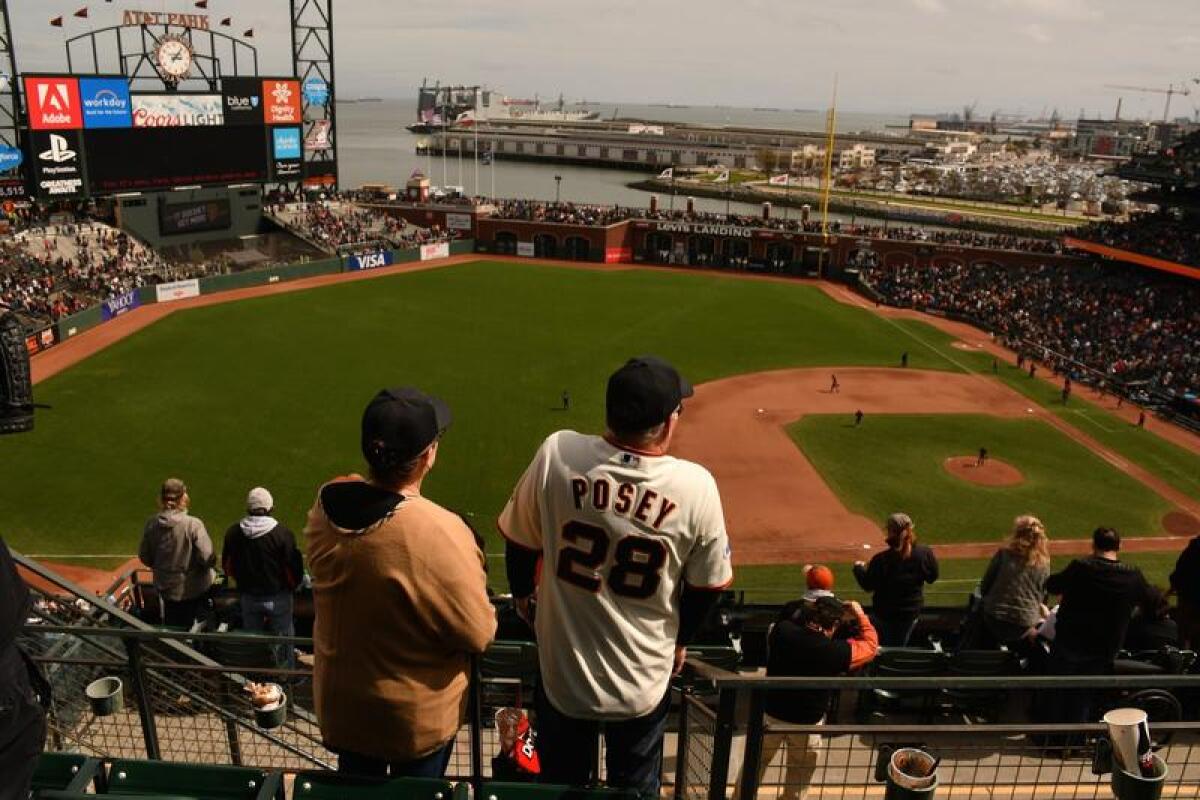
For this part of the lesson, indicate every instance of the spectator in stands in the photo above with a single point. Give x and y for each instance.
(897, 577)
(1185, 583)
(1099, 595)
(1152, 627)
(22, 715)
(612, 629)
(260, 555)
(175, 545)
(401, 600)
(803, 645)
(1014, 587)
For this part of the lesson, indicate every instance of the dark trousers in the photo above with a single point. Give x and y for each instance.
(1072, 705)
(634, 748)
(182, 613)
(894, 631)
(430, 766)
(22, 726)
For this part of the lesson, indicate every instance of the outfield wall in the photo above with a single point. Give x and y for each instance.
(75, 324)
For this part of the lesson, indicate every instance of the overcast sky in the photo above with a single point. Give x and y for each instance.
(1017, 56)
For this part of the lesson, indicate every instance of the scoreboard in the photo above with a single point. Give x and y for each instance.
(89, 135)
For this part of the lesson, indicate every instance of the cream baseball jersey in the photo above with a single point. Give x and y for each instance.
(618, 531)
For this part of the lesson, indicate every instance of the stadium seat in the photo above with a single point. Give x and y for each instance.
(903, 662)
(509, 661)
(979, 664)
(315, 785)
(68, 772)
(161, 778)
(725, 658)
(536, 791)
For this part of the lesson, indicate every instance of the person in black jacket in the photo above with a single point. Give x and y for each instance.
(1185, 583)
(260, 555)
(1099, 596)
(22, 717)
(803, 645)
(897, 577)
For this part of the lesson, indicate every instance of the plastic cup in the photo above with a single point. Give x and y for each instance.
(1129, 730)
(912, 769)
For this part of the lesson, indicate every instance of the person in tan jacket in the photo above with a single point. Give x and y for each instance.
(401, 600)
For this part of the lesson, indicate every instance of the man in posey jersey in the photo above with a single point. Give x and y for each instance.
(634, 554)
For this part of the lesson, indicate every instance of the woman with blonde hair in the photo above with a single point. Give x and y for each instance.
(1014, 585)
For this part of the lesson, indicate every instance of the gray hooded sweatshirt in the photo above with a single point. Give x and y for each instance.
(176, 546)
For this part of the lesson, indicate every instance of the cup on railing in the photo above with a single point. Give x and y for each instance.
(911, 775)
(106, 696)
(1129, 730)
(270, 704)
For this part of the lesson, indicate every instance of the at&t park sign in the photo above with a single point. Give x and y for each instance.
(705, 229)
(199, 21)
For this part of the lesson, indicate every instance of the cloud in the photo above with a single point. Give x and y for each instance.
(929, 6)
(1073, 10)
(1038, 33)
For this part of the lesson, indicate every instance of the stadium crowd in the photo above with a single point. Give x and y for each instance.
(568, 213)
(1162, 235)
(53, 271)
(1071, 311)
(344, 227)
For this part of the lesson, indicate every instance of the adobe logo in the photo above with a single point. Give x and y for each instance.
(53, 103)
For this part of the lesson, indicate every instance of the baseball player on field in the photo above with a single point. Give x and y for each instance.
(634, 554)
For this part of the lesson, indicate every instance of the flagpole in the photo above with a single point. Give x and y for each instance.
(827, 177)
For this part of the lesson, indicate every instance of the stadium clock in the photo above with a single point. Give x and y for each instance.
(173, 56)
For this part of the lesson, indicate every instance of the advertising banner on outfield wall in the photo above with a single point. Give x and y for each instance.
(525, 248)
(177, 290)
(436, 250)
(114, 307)
(39, 341)
(361, 261)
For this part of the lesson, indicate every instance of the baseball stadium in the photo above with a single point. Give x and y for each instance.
(954, 469)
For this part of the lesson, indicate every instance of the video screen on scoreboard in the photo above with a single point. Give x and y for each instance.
(123, 160)
(193, 217)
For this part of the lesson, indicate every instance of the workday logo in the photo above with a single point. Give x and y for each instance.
(105, 103)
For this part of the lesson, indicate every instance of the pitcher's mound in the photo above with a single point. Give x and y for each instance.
(1181, 523)
(993, 472)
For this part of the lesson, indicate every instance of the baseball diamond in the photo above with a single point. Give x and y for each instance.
(760, 352)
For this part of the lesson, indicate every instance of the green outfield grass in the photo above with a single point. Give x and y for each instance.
(1174, 464)
(269, 391)
(893, 462)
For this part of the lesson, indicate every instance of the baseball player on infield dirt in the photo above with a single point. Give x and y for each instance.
(634, 554)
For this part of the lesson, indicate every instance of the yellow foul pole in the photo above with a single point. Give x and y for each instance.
(827, 174)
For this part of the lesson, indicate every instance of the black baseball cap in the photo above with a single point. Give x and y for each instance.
(399, 423)
(643, 393)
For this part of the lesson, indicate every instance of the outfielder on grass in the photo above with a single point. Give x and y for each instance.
(635, 552)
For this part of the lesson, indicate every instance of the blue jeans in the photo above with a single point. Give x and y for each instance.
(430, 766)
(271, 613)
(633, 748)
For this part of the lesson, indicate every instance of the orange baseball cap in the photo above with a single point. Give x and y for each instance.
(819, 577)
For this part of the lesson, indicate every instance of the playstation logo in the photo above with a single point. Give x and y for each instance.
(58, 152)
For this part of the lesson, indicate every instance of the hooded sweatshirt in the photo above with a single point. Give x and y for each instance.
(175, 545)
(260, 555)
(401, 603)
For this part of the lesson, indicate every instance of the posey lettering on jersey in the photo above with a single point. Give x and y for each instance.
(624, 500)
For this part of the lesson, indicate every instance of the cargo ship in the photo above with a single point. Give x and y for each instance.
(441, 107)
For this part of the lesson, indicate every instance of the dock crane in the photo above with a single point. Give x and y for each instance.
(1170, 92)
